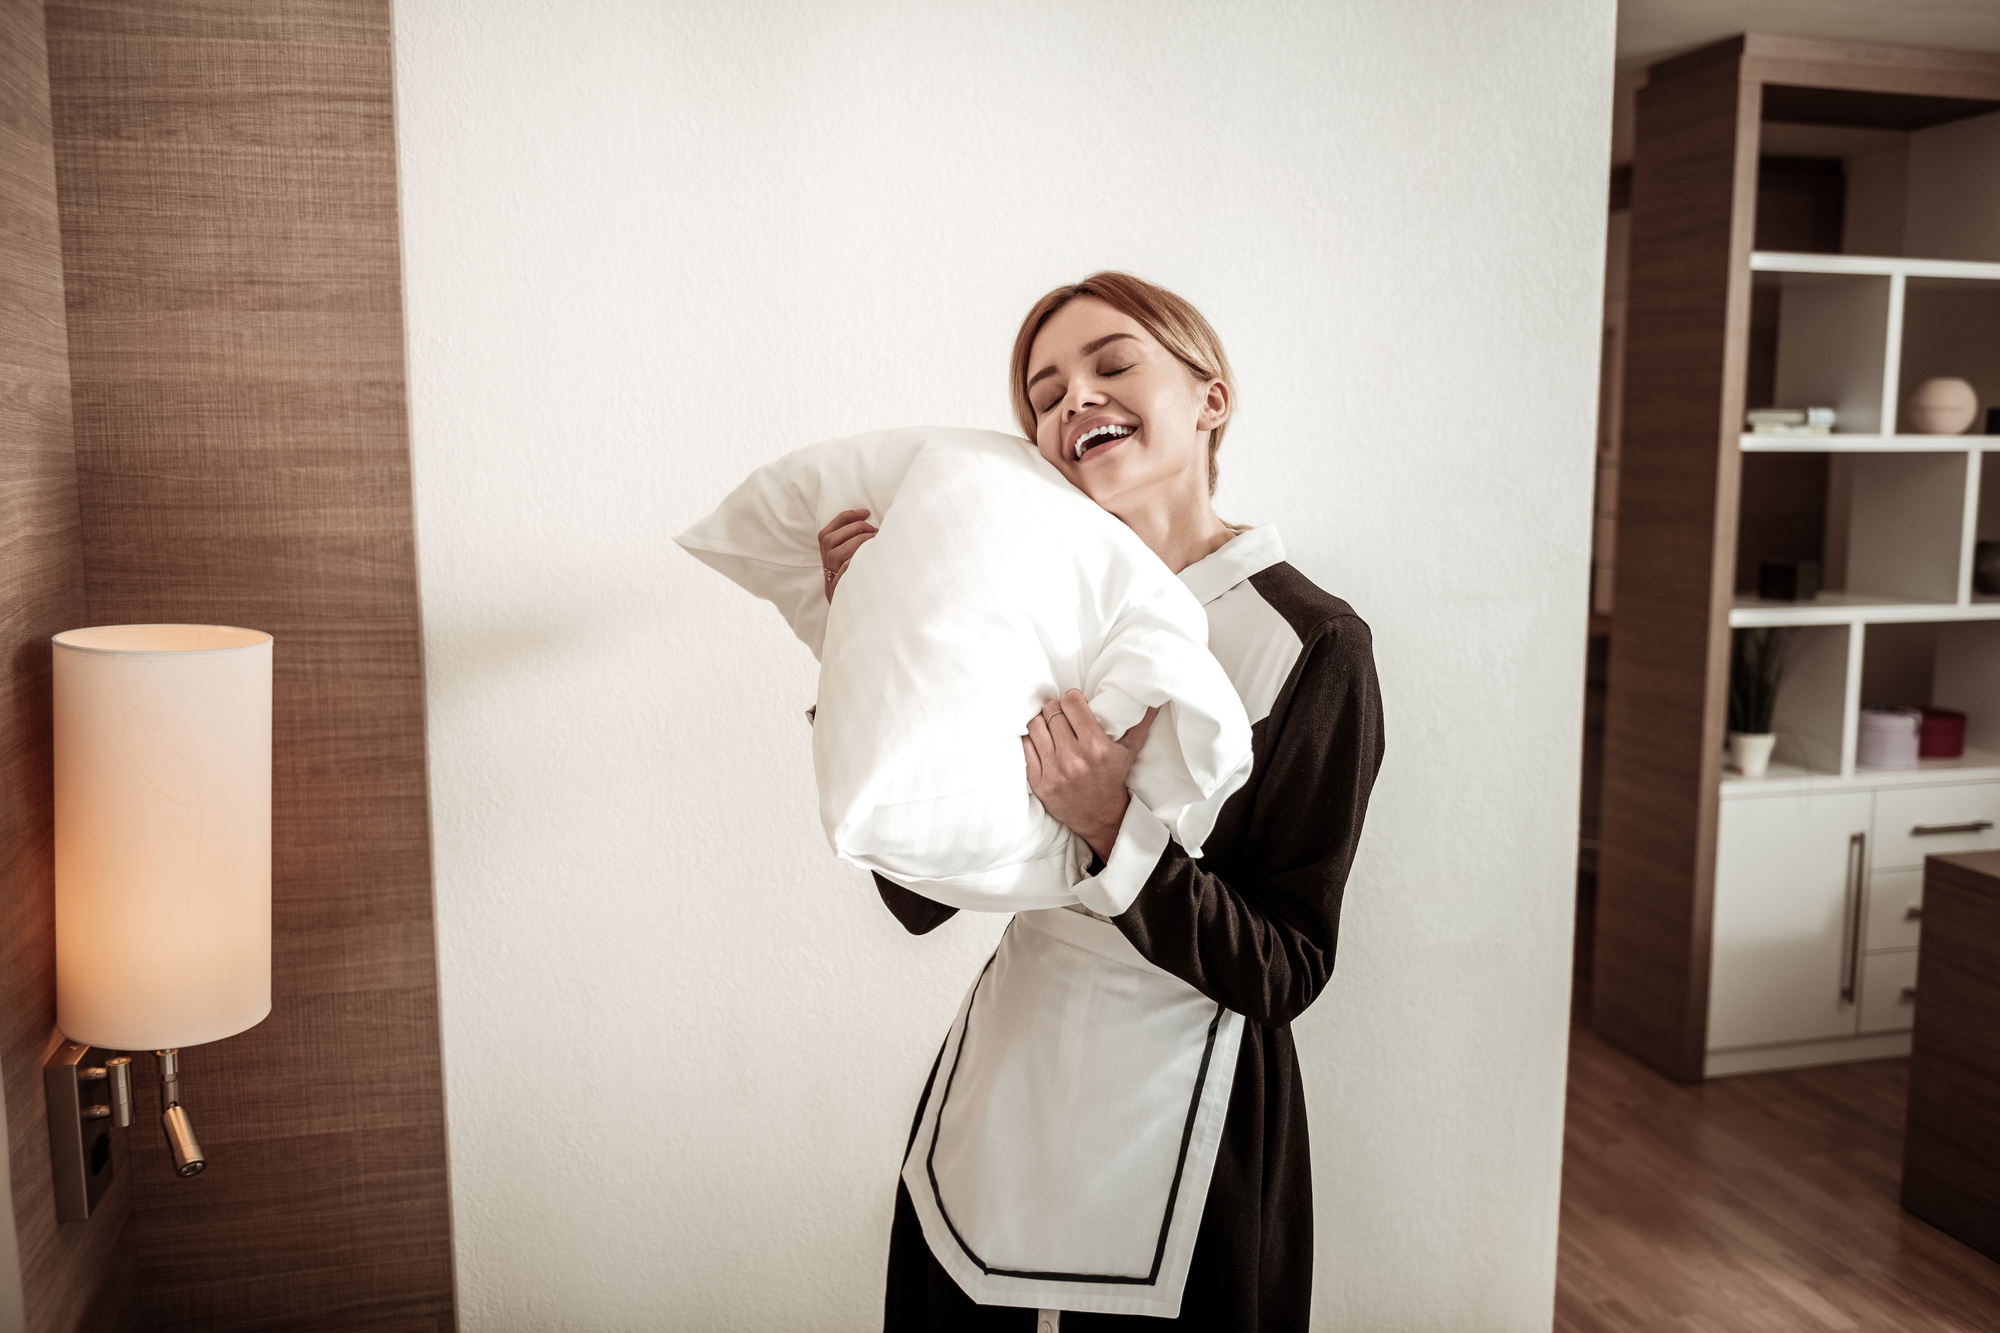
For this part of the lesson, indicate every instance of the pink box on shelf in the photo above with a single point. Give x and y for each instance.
(1889, 739)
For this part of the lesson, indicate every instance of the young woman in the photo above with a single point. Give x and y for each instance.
(1119, 1132)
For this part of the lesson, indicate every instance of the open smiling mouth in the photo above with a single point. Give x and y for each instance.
(1097, 435)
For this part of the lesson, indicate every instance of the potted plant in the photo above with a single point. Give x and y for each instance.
(1756, 669)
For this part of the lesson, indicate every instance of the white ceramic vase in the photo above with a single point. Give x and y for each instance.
(1942, 407)
(1750, 752)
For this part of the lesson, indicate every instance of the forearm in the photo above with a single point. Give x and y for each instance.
(1263, 955)
(1254, 925)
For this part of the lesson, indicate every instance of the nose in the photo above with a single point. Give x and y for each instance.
(1083, 396)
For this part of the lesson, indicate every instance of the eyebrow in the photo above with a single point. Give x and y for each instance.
(1088, 348)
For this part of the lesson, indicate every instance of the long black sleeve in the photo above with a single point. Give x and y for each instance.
(919, 915)
(1255, 930)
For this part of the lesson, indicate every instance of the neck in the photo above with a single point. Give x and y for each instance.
(1179, 529)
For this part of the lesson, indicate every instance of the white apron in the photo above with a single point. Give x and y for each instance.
(1063, 1155)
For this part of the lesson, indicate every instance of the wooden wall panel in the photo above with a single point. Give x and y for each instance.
(228, 192)
(73, 1276)
(1693, 190)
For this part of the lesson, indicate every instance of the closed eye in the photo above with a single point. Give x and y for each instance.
(1051, 405)
(1108, 372)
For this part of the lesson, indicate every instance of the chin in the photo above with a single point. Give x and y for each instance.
(1106, 491)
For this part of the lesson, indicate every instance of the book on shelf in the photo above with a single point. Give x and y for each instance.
(1758, 417)
(1786, 428)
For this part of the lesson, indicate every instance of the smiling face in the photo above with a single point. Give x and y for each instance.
(1118, 414)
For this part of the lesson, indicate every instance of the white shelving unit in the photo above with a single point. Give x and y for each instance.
(1819, 864)
(1745, 925)
(1914, 509)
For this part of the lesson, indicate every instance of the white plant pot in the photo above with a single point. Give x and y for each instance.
(1750, 752)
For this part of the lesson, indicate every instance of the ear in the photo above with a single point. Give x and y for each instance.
(1215, 406)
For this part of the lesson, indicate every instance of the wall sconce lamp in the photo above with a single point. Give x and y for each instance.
(163, 874)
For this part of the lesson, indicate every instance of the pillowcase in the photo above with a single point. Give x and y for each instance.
(992, 586)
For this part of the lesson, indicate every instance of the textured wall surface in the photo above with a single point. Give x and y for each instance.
(227, 178)
(650, 245)
(69, 1276)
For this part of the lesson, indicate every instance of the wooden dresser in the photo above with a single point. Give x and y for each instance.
(1951, 1142)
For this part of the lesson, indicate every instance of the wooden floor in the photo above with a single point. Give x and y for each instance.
(1747, 1204)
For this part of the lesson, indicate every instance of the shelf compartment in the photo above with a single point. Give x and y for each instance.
(1951, 327)
(1811, 711)
(1835, 669)
(1967, 677)
(1833, 344)
(1891, 532)
(1904, 515)
(1985, 523)
(1939, 664)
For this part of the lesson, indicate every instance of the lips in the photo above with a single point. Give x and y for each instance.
(1098, 433)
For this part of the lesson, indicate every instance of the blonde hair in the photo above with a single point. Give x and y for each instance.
(1175, 324)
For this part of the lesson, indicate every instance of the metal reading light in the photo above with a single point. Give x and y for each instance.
(163, 873)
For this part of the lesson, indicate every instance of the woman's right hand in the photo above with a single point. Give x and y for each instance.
(838, 541)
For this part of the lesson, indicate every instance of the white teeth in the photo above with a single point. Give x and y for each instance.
(1114, 432)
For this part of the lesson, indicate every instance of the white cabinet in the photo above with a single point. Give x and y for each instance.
(1819, 912)
(1895, 909)
(1913, 822)
(1787, 882)
(1888, 991)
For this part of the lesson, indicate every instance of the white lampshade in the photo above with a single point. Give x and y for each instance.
(163, 834)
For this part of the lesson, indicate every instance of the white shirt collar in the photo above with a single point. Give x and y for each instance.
(1249, 552)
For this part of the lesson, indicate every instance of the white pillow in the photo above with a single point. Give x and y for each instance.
(993, 586)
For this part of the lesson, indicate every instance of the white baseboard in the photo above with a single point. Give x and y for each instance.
(1799, 1054)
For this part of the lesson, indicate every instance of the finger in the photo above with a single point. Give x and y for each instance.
(841, 554)
(1076, 712)
(845, 533)
(1135, 739)
(1034, 762)
(1038, 736)
(1060, 730)
(842, 519)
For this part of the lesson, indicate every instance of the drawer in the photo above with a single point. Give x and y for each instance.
(1892, 896)
(1885, 977)
(1901, 811)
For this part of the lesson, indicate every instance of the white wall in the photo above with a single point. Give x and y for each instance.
(650, 245)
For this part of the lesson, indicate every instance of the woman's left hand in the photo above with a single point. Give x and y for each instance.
(1078, 772)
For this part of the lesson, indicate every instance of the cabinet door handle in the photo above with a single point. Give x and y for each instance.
(1966, 826)
(1914, 912)
(1850, 947)
(1910, 994)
